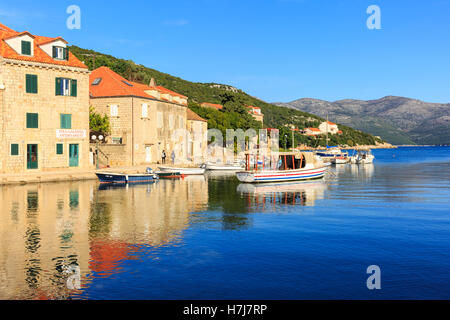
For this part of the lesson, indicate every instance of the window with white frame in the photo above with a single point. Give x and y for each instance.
(144, 110)
(114, 110)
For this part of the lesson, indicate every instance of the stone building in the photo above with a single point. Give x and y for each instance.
(256, 113)
(44, 104)
(198, 137)
(145, 120)
(328, 126)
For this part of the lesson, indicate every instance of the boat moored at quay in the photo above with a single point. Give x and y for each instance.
(285, 166)
(114, 177)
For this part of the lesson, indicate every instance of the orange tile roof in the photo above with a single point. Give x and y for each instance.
(191, 115)
(212, 105)
(312, 129)
(39, 55)
(114, 85)
(331, 123)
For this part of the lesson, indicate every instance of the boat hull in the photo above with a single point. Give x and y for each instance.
(109, 177)
(183, 171)
(223, 167)
(289, 175)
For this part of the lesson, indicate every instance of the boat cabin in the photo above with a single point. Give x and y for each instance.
(281, 161)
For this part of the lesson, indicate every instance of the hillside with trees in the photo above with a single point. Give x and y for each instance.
(234, 114)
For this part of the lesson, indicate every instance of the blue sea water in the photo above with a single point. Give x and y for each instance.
(217, 239)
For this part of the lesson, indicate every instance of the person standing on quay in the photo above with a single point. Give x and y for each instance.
(163, 156)
(173, 157)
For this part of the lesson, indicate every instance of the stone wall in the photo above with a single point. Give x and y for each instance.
(16, 103)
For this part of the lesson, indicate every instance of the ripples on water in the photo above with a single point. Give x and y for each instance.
(213, 238)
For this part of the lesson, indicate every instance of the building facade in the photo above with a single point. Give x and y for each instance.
(197, 129)
(144, 120)
(328, 126)
(44, 104)
(256, 113)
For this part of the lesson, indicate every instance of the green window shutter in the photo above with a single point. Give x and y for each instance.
(26, 47)
(31, 83)
(66, 54)
(66, 121)
(32, 120)
(58, 88)
(59, 148)
(14, 149)
(55, 52)
(73, 88)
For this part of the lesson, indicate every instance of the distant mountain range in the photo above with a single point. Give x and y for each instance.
(397, 120)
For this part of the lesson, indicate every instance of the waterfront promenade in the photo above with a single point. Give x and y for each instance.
(66, 175)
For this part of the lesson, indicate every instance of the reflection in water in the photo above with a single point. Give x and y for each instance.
(49, 230)
(195, 238)
(292, 193)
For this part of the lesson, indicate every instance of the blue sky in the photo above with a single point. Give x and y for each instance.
(277, 50)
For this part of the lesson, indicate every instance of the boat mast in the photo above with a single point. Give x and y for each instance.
(327, 130)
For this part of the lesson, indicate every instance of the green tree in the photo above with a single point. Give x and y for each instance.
(99, 123)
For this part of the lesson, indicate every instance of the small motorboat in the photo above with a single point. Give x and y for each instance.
(285, 166)
(114, 177)
(341, 159)
(183, 171)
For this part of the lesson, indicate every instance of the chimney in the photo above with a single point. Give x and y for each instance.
(152, 82)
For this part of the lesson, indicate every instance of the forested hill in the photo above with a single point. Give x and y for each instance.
(233, 99)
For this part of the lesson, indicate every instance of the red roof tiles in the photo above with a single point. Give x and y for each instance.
(114, 85)
(39, 55)
(191, 115)
(212, 105)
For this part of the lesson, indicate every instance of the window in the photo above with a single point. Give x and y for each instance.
(14, 149)
(159, 119)
(31, 83)
(114, 110)
(32, 120)
(65, 87)
(60, 53)
(116, 140)
(59, 148)
(26, 48)
(96, 81)
(66, 121)
(144, 110)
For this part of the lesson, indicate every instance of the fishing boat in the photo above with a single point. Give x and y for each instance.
(363, 157)
(114, 177)
(183, 171)
(285, 166)
(331, 153)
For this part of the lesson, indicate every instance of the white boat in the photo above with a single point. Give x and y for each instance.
(183, 171)
(285, 166)
(362, 157)
(224, 167)
(341, 159)
(331, 153)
